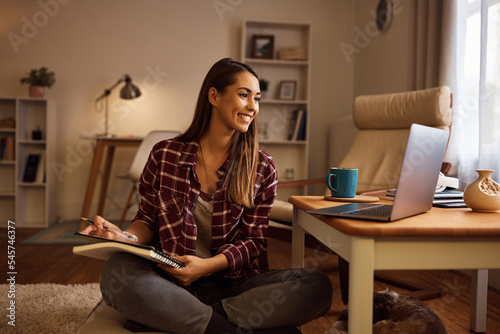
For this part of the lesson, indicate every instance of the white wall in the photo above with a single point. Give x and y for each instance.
(166, 46)
(383, 60)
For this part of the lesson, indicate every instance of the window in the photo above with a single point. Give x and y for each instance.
(477, 100)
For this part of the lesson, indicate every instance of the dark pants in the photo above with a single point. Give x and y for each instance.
(143, 293)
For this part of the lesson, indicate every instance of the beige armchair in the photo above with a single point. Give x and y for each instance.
(383, 123)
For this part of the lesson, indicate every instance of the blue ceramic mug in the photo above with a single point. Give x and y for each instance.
(342, 182)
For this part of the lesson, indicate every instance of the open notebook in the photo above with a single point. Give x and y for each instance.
(417, 180)
(102, 248)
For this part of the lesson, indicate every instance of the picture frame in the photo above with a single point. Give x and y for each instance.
(287, 89)
(262, 46)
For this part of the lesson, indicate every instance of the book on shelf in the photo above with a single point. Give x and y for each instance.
(7, 149)
(3, 143)
(294, 124)
(103, 249)
(40, 171)
(301, 135)
(31, 168)
(297, 125)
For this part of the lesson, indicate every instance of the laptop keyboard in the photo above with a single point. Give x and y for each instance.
(379, 211)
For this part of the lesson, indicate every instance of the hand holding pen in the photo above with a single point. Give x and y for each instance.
(108, 230)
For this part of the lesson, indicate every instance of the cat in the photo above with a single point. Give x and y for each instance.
(397, 314)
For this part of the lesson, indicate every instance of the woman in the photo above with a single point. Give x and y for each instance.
(205, 199)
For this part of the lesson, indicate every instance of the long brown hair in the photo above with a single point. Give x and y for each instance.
(243, 154)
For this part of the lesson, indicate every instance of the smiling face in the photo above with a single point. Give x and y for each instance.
(236, 107)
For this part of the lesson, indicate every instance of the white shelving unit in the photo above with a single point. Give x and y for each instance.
(28, 204)
(275, 117)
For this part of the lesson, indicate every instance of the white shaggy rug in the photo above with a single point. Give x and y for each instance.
(47, 308)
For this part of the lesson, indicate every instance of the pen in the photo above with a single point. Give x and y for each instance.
(126, 235)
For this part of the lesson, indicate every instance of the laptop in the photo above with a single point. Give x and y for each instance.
(416, 185)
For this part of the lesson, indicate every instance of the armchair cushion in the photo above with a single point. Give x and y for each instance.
(282, 212)
(431, 107)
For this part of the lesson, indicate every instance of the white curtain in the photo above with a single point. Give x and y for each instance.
(476, 120)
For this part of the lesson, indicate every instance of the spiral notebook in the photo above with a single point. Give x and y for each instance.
(103, 249)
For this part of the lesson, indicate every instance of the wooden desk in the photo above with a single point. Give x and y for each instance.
(440, 239)
(103, 145)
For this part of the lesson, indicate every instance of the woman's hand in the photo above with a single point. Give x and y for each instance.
(98, 229)
(195, 268)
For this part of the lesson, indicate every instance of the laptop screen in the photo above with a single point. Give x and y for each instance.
(420, 171)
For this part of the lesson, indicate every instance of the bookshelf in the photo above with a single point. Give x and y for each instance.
(287, 61)
(27, 128)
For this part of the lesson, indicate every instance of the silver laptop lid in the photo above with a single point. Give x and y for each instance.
(420, 171)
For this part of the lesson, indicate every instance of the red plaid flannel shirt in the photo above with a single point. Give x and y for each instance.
(169, 188)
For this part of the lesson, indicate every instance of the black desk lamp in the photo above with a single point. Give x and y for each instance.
(128, 92)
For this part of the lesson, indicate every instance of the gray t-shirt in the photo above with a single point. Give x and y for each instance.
(202, 214)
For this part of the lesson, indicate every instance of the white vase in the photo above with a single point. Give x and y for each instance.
(483, 195)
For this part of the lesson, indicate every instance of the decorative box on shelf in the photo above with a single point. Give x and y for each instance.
(293, 53)
(7, 123)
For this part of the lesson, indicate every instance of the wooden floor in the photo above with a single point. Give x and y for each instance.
(57, 264)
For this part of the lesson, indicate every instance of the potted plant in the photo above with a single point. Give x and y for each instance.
(264, 84)
(38, 80)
